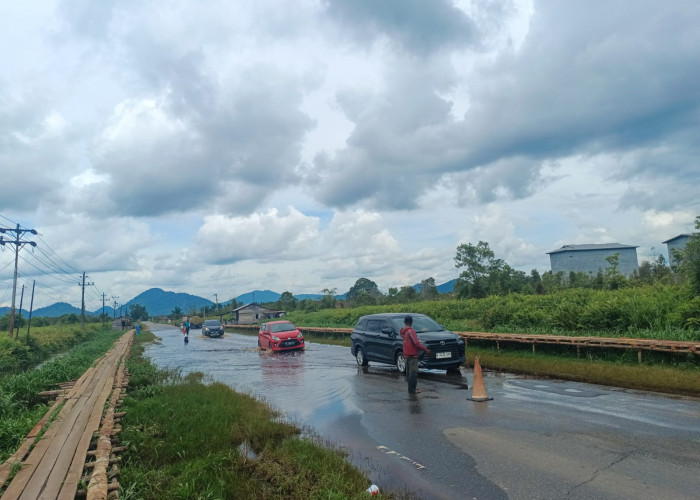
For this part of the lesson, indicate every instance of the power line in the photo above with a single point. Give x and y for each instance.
(48, 247)
(18, 243)
(51, 275)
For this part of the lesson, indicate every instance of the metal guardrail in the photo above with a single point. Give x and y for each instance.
(639, 345)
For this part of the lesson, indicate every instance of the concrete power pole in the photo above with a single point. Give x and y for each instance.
(82, 309)
(104, 319)
(18, 243)
(21, 301)
(31, 309)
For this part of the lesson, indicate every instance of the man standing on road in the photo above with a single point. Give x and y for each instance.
(411, 344)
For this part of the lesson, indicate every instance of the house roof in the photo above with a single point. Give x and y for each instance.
(676, 237)
(256, 305)
(592, 246)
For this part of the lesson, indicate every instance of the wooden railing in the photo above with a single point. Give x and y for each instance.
(639, 345)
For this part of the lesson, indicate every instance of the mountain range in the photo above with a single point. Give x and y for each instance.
(160, 302)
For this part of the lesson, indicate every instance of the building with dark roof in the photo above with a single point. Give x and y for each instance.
(676, 243)
(590, 258)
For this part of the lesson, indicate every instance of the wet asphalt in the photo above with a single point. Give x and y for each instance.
(535, 439)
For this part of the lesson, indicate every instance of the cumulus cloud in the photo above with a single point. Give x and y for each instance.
(266, 236)
(35, 149)
(396, 130)
(576, 85)
(414, 25)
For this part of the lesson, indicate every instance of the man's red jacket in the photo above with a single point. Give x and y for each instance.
(411, 344)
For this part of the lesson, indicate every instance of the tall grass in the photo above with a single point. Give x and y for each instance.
(188, 439)
(662, 312)
(44, 341)
(20, 406)
(598, 369)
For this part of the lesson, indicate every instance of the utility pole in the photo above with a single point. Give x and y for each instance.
(31, 308)
(114, 309)
(216, 297)
(18, 243)
(82, 309)
(104, 319)
(19, 320)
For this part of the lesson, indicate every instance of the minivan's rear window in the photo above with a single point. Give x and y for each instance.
(420, 324)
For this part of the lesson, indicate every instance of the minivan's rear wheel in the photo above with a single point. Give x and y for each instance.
(360, 357)
(400, 363)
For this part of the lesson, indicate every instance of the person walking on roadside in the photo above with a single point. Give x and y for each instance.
(411, 345)
(187, 326)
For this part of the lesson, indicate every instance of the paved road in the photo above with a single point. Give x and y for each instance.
(536, 439)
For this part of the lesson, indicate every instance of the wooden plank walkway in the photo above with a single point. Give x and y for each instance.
(54, 467)
(674, 346)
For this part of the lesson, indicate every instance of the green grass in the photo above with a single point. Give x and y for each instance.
(670, 379)
(44, 341)
(184, 441)
(21, 408)
(661, 312)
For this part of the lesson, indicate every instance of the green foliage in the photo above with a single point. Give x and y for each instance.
(665, 312)
(484, 274)
(689, 260)
(328, 300)
(428, 290)
(287, 301)
(365, 285)
(138, 312)
(20, 407)
(192, 440)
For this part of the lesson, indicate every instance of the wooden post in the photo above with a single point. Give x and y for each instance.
(578, 351)
(533, 348)
(498, 346)
(639, 356)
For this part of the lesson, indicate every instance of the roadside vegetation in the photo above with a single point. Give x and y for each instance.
(663, 312)
(188, 439)
(20, 406)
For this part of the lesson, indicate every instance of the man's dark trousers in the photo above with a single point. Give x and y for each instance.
(412, 373)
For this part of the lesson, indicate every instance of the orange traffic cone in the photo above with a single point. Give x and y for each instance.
(478, 389)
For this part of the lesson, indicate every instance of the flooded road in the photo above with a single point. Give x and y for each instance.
(536, 439)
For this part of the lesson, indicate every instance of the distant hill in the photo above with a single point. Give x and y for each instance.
(6, 310)
(158, 302)
(448, 287)
(312, 296)
(317, 296)
(259, 296)
(57, 309)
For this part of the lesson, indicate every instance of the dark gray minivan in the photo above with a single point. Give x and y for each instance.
(376, 338)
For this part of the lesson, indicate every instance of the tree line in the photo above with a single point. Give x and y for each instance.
(483, 274)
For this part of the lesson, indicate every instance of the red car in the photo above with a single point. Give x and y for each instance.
(280, 336)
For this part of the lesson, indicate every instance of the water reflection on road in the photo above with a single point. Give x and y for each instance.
(308, 386)
(536, 439)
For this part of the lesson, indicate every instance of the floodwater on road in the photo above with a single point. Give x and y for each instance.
(536, 439)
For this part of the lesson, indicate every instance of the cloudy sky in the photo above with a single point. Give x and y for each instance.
(219, 147)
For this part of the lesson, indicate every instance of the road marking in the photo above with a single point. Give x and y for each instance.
(400, 456)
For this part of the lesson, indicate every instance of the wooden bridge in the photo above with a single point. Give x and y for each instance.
(639, 345)
(78, 433)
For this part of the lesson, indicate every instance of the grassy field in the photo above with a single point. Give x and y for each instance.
(21, 408)
(44, 341)
(660, 312)
(611, 369)
(189, 439)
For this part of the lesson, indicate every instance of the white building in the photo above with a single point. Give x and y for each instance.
(591, 258)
